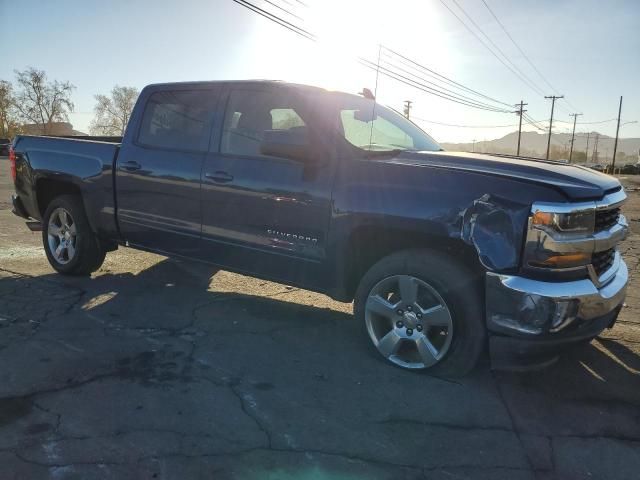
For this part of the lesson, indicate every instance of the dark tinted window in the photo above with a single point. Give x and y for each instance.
(250, 113)
(177, 120)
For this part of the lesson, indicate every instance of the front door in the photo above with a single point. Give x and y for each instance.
(158, 171)
(261, 213)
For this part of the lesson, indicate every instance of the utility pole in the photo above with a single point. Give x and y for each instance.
(553, 103)
(586, 150)
(573, 134)
(594, 156)
(519, 112)
(407, 108)
(615, 144)
(474, 145)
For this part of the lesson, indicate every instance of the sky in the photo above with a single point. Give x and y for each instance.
(587, 50)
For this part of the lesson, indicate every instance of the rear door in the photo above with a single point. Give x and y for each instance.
(262, 214)
(159, 167)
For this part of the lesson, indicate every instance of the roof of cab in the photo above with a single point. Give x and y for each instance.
(254, 82)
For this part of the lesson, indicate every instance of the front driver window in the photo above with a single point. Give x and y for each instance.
(381, 135)
(370, 126)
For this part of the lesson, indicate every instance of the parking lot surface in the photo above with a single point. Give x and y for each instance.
(156, 368)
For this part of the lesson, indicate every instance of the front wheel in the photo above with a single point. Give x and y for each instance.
(71, 246)
(423, 311)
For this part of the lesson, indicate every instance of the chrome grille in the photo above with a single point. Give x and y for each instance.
(605, 219)
(602, 261)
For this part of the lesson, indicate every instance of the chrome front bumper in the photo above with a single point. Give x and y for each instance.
(532, 308)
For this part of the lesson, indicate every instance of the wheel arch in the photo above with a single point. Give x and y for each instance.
(369, 244)
(48, 188)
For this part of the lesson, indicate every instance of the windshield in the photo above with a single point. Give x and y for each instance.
(373, 128)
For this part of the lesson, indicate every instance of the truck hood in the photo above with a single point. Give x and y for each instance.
(575, 182)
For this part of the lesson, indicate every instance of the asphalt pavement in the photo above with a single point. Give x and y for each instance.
(162, 369)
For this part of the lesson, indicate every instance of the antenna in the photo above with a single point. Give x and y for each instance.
(375, 95)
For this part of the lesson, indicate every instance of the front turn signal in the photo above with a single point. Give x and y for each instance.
(566, 261)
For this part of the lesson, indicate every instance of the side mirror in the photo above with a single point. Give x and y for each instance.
(365, 116)
(292, 143)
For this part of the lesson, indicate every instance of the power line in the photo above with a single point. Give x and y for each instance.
(421, 86)
(526, 57)
(407, 61)
(530, 82)
(462, 126)
(276, 19)
(434, 91)
(530, 85)
(589, 123)
(518, 46)
(570, 104)
(283, 9)
(456, 94)
(451, 96)
(292, 4)
(533, 122)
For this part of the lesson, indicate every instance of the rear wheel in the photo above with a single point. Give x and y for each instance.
(422, 310)
(71, 246)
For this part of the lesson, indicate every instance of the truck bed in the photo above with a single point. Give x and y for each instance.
(86, 163)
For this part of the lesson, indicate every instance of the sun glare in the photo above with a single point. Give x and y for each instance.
(349, 31)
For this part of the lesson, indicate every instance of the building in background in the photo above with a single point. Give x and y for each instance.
(55, 128)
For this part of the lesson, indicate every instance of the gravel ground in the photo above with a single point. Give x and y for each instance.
(154, 368)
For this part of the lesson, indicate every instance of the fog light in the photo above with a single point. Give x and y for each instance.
(535, 315)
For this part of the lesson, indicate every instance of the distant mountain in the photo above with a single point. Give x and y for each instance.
(535, 144)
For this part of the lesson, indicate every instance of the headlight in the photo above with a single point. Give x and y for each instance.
(549, 224)
(580, 222)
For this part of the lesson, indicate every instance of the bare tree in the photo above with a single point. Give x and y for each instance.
(42, 102)
(8, 120)
(112, 113)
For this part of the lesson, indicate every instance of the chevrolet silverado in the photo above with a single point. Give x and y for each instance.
(444, 254)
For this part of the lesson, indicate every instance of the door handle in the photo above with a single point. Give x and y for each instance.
(219, 176)
(130, 166)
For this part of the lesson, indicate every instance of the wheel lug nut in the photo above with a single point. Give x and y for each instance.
(400, 312)
(409, 308)
(419, 315)
(399, 324)
(409, 331)
(419, 328)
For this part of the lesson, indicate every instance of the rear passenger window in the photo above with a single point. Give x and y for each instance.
(178, 120)
(249, 114)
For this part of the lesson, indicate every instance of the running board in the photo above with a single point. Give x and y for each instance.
(34, 226)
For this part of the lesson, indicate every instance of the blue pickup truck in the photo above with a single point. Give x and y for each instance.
(444, 254)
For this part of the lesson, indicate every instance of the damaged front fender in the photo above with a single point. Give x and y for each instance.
(495, 227)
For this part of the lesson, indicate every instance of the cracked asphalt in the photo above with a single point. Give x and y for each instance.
(160, 369)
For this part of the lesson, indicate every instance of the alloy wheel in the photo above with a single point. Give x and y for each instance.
(408, 321)
(62, 236)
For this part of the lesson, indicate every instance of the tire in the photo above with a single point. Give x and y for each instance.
(441, 331)
(71, 246)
